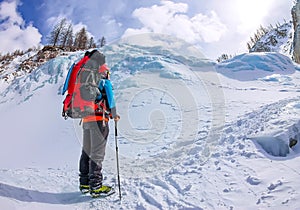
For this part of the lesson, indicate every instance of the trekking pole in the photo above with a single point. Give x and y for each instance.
(117, 157)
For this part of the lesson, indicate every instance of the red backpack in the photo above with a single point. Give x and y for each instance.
(82, 85)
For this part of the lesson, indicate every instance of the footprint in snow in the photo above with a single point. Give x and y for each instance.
(253, 180)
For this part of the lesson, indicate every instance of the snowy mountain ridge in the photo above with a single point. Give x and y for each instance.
(279, 39)
(22, 63)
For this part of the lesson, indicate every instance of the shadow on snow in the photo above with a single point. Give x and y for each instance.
(28, 195)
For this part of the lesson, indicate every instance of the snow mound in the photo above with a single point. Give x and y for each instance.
(282, 143)
(272, 145)
(279, 136)
(251, 66)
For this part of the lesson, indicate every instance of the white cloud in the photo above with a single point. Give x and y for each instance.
(77, 27)
(172, 19)
(251, 13)
(13, 31)
(8, 13)
(210, 27)
(101, 17)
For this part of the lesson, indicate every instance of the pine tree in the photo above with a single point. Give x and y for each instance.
(81, 39)
(249, 46)
(224, 57)
(102, 41)
(67, 36)
(92, 43)
(56, 32)
(70, 38)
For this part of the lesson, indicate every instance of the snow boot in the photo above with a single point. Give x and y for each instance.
(84, 188)
(102, 191)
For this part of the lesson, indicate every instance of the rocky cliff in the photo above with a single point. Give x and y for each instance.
(296, 25)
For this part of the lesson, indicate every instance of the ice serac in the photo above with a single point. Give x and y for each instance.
(296, 25)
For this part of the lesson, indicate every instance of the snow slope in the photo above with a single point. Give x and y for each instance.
(193, 134)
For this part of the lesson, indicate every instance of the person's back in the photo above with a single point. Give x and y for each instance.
(90, 97)
(95, 133)
(82, 86)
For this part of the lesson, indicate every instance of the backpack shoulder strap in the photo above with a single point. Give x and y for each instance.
(66, 84)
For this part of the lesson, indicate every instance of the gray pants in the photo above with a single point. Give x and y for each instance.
(93, 152)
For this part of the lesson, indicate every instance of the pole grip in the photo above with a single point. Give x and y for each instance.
(116, 128)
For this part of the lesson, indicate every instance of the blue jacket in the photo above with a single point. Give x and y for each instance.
(106, 85)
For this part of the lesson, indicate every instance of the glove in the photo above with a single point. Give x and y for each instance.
(117, 118)
(64, 115)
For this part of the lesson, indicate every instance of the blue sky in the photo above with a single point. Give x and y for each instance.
(214, 26)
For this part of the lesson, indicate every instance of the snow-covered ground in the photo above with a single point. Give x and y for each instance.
(193, 134)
